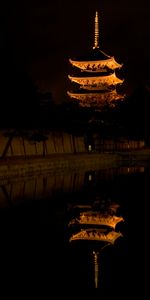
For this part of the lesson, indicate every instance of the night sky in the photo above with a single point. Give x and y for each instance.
(38, 37)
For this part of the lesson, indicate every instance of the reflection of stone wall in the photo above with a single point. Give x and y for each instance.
(16, 190)
(38, 187)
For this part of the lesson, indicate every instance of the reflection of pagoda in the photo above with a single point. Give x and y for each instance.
(98, 81)
(97, 227)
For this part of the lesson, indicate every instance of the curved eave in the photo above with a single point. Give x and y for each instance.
(110, 221)
(96, 65)
(109, 79)
(96, 235)
(105, 96)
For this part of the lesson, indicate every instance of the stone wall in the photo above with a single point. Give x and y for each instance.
(121, 144)
(14, 144)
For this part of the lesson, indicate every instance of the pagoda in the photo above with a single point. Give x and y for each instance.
(96, 84)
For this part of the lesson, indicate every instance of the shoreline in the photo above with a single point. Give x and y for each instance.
(20, 167)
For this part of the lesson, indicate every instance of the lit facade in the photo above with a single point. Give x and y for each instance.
(96, 84)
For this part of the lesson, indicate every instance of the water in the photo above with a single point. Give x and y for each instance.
(35, 237)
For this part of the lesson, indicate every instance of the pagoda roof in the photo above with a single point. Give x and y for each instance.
(93, 55)
(96, 66)
(96, 235)
(96, 98)
(88, 80)
(96, 218)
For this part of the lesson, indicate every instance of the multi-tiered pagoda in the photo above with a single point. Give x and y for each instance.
(97, 82)
(97, 227)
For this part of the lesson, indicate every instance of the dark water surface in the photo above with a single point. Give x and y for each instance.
(35, 236)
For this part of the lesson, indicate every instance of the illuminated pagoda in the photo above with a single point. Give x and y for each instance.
(97, 81)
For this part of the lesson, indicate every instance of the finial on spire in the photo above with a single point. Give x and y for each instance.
(96, 37)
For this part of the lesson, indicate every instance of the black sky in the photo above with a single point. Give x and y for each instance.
(39, 37)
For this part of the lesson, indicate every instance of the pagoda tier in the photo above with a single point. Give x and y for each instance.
(97, 81)
(96, 218)
(96, 235)
(96, 98)
(96, 65)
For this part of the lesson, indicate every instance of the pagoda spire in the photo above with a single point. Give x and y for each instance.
(96, 36)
